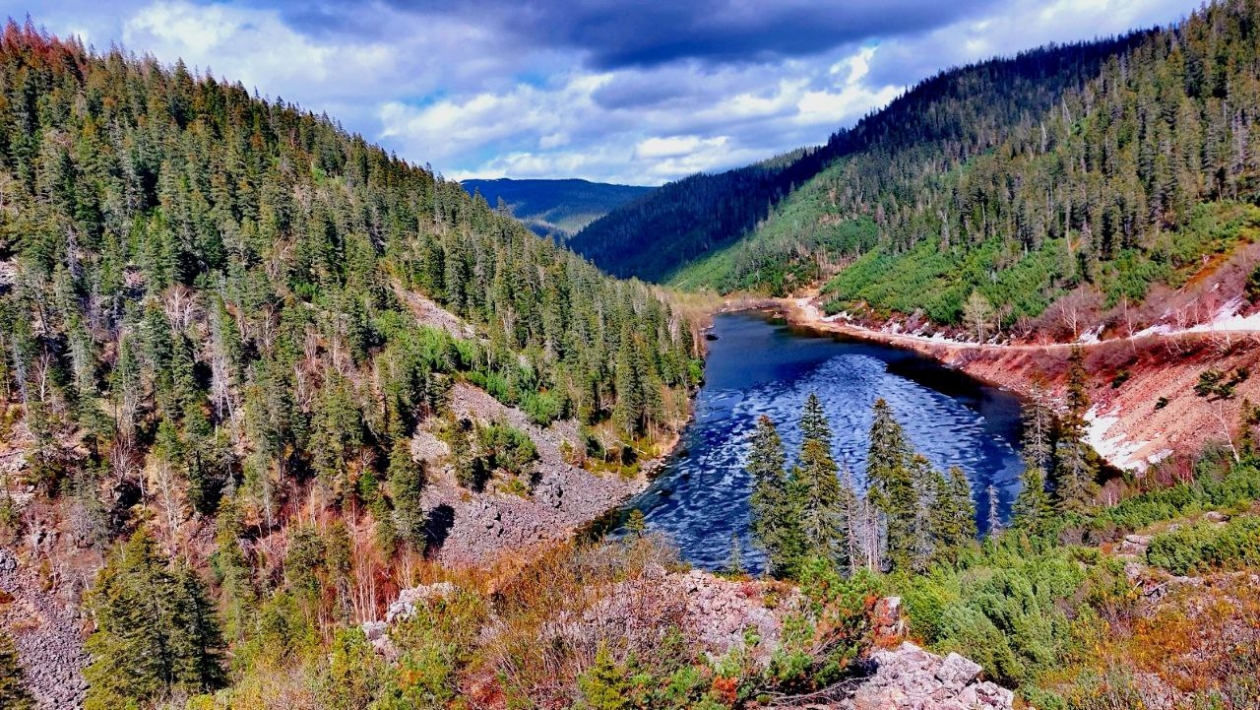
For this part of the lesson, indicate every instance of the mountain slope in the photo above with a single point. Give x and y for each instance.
(559, 208)
(954, 115)
(1140, 181)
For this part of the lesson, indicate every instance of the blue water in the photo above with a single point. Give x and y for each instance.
(755, 367)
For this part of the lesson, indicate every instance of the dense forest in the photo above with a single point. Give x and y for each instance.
(952, 116)
(1117, 183)
(207, 307)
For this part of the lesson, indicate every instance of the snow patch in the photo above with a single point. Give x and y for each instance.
(1116, 450)
(1091, 336)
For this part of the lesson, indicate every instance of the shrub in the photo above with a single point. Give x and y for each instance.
(1204, 546)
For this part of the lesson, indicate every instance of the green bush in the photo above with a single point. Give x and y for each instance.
(1204, 547)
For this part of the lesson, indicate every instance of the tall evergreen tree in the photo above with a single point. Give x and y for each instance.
(1032, 511)
(816, 486)
(892, 487)
(1075, 462)
(155, 630)
(953, 514)
(775, 522)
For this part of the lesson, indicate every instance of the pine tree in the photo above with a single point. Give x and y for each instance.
(156, 630)
(1075, 465)
(816, 490)
(1032, 511)
(13, 694)
(953, 515)
(636, 523)
(814, 424)
(892, 488)
(406, 485)
(775, 522)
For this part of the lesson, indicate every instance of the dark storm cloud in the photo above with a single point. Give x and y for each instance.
(614, 34)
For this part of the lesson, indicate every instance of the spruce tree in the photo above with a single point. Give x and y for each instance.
(1032, 510)
(775, 523)
(1075, 465)
(156, 630)
(13, 694)
(814, 424)
(817, 493)
(406, 485)
(892, 487)
(953, 515)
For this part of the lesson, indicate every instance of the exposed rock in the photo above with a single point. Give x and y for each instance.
(48, 636)
(888, 622)
(1134, 545)
(405, 606)
(956, 672)
(377, 633)
(910, 678)
(477, 527)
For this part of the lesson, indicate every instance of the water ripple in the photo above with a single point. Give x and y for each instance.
(700, 499)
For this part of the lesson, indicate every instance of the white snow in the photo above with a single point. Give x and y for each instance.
(1091, 336)
(1116, 450)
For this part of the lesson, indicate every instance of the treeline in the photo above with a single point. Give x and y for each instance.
(909, 515)
(954, 115)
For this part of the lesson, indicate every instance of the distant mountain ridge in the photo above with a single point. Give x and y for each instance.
(559, 208)
(952, 116)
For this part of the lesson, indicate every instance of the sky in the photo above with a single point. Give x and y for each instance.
(628, 91)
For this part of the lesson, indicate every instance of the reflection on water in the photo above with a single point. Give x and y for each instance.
(700, 499)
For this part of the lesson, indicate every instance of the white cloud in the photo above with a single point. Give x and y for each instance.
(455, 90)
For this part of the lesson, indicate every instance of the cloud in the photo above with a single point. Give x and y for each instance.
(640, 92)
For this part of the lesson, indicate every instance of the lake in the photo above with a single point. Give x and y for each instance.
(757, 366)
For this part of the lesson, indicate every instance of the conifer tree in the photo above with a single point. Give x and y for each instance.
(814, 424)
(1032, 510)
(1075, 465)
(13, 694)
(892, 487)
(156, 630)
(406, 484)
(953, 513)
(816, 490)
(775, 522)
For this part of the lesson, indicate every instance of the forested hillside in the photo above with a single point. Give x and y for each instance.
(950, 117)
(208, 307)
(555, 208)
(1130, 179)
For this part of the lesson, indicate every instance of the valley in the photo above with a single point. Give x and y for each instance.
(954, 408)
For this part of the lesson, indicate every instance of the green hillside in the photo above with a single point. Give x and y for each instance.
(950, 117)
(1124, 181)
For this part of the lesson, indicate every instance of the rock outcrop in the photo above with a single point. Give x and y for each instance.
(910, 678)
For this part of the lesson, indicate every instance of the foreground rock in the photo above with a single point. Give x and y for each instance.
(910, 678)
